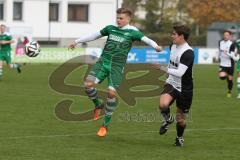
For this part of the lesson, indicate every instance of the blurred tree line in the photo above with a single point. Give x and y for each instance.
(161, 15)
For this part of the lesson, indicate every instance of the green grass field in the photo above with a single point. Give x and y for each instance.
(30, 130)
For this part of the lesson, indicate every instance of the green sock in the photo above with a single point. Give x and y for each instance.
(97, 102)
(111, 106)
(107, 120)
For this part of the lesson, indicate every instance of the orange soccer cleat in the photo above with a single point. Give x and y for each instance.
(102, 131)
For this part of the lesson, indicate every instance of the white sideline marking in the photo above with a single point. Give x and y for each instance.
(113, 133)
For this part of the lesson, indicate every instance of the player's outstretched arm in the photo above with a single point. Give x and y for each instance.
(151, 43)
(85, 38)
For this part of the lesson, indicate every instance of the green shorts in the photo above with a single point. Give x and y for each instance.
(5, 56)
(105, 69)
(238, 66)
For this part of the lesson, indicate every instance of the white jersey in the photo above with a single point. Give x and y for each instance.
(224, 52)
(181, 54)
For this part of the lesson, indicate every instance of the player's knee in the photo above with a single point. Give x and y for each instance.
(181, 121)
(223, 77)
(88, 84)
(111, 93)
(230, 78)
(163, 105)
(90, 81)
(180, 118)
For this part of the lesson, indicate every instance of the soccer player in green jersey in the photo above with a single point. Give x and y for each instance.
(233, 53)
(5, 50)
(112, 61)
(238, 66)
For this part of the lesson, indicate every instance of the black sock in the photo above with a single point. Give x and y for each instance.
(166, 114)
(180, 129)
(230, 85)
(223, 78)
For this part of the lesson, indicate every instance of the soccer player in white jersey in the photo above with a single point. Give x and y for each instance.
(226, 66)
(179, 84)
(111, 63)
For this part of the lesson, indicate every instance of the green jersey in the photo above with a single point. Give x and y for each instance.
(238, 48)
(5, 47)
(238, 44)
(119, 42)
(115, 53)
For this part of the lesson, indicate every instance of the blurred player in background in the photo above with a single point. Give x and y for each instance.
(237, 43)
(112, 61)
(226, 57)
(5, 50)
(25, 40)
(179, 84)
(19, 48)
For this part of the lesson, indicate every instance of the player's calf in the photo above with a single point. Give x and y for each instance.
(15, 66)
(167, 118)
(165, 125)
(93, 95)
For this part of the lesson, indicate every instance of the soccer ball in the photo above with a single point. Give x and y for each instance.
(32, 49)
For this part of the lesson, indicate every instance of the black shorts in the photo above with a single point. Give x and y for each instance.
(228, 70)
(183, 99)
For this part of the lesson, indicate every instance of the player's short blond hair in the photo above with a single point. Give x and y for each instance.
(124, 11)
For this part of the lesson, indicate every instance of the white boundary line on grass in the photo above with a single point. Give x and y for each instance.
(113, 133)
